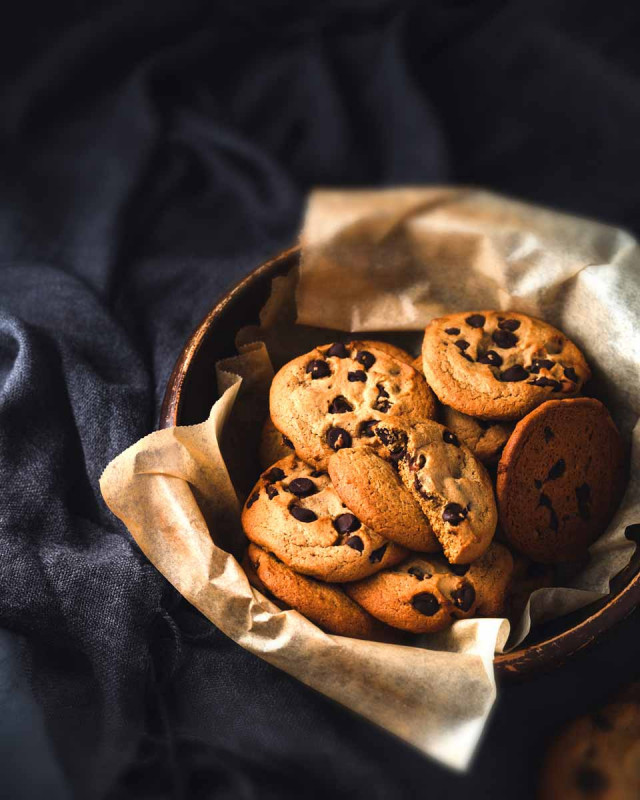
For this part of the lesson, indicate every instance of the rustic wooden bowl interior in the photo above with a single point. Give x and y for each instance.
(191, 392)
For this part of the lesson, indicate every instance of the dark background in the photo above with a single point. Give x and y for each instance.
(150, 155)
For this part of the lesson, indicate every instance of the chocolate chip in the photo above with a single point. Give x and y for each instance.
(557, 470)
(318, 369)
(302, 487)
(398, 452)
(391, 438)
(253, 499)
(382, 392)
(569, 372)
(545, 501)
(504, 339)
(537, 483)
(382, 405)
(492, 358)
(417, 462)
(590, 780)
(302, 514)
(514, 374)
(464, 597)
(376, 556)
(358, 375)
(274, 474)
(355, 543)
(452, 331)
(475, 320)
(425, 603)
(509, 324)
(461, 344)
(541, 363)
(547, 383)
(459, 569)
(337, 438)
(317, 473)
(583, 496)
(416, 572)
(450, 438)
(548, 434)
(366, 428)
(272, 492)
(346, 523)
(454, 513)
(340, 405)
(467, 356)
(338, 350)
(365, 358)
(287, 442)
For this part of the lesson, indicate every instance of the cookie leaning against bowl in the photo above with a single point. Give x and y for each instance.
(323, 603)
(295, 513)
(426, 594)
(499, 365)
(328, 399)
(560, 479)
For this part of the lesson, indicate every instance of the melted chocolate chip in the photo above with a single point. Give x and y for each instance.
(338, 350)
(462, 344)
(302, 487)
(425, 603)
(548, 434)
(464, 597)
(274, 474)
(454, 513)
(287, 442)
(417, 462)
(253, 499)
(340, 405)
(475, 320)
(376, 556)
(557, 470)
(337, 438)
(504, 339)
(381, 403)
(452, 331)
(569, 372)
(583, 496)
(391, 438)
(416, 572)
(546, 382)
(509, 324)
(459, 569)
(514, 374)
(355, 543)
(382, 392)
(541, 363)
(538, 484)
(491, 358)
(346, 523)
(317, 473)
(358, 375)
(545, 501)
(318, 369)
(450, 438)
(366, 428)
(365, 358)
(272, 492)
(590, 780)
(467, 356)
(302, 514)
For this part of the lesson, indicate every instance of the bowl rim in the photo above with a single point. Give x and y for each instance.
(516, 664)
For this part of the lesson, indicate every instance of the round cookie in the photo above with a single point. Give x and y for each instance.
(273, 445)
(328, 399)
(560, 478)
(323, 603)
(596, 756)
(484, 439)
(295, 513)
(499, 365)
(426, 594)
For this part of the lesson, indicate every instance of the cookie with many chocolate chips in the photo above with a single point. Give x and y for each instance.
(426, 594)
(273, 445)
(596, 756)
(499, 365)
(386, 347)
(295, 513)
(560, 479)
(328, 399)
(485, 439)
(323, 603)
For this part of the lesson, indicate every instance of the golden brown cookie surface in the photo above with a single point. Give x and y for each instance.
(485, 439)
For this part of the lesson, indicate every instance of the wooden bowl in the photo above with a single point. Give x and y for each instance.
(191, 392)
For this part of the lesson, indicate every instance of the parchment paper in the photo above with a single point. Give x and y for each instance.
(388, 261)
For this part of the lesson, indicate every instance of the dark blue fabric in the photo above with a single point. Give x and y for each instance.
(150, 155)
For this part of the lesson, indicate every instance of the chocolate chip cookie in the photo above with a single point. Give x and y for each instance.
(328, 399)
(323, 603)
(596, 756)
(499, 365)
(273, 445)
(485, 439)
(426, 594)
(295, 513)
(560, 479)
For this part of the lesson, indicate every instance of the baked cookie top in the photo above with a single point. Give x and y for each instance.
(425, 594)
(560, 478)
(328, 399)
(295, 513)
(499, 364)
(485, 439)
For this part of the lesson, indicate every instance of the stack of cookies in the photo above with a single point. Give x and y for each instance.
(387, 478)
